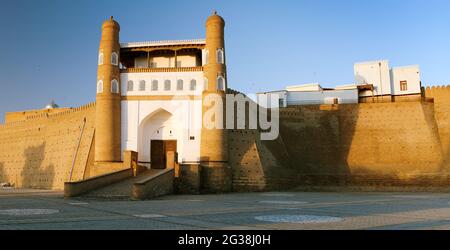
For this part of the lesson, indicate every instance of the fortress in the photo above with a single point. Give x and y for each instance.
(150, 103)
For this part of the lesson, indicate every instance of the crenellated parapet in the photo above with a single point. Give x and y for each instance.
(46, 150)
(45, 115)
(438, 93)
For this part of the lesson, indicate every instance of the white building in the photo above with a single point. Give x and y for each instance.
(374, 73)
(374, 82)
(405, 80)
(309, 94)
(387, 83)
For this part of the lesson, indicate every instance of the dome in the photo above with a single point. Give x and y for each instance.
(111, 23)
(51, 105)
(215, 18)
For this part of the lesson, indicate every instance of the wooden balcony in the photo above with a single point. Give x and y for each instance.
(151, 70)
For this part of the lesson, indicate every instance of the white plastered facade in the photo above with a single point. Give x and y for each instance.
(375, 73)
(408, 74)
(150, 115)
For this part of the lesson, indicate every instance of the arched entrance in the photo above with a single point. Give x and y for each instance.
(158, 134)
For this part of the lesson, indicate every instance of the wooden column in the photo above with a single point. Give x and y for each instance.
(176, 66)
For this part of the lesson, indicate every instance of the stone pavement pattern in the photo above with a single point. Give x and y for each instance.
(34, 209)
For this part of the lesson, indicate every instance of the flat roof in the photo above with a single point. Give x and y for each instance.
(407, 67)
(372, 62)
(304, 85)
(347, 86)
(163, 43)
(273, 91)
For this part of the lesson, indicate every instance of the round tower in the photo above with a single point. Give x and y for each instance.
(214, 142)
(107, 119)
(215, 47)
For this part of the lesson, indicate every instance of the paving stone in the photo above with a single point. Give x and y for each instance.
(235, 211)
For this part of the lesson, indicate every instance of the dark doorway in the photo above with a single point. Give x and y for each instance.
(158, 152)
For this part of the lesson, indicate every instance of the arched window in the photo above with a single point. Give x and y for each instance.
(193, 85)
(100, 58)
(130, 86)
(221, 83)
(100, 86)
(205, 83)
(206, 56)
(220, 56)
(180, 84)
(155, 85)
(114, 59)
(114, 86)
(142, 85)
(167, 84)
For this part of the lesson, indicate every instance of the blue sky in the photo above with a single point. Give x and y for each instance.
(48, 48)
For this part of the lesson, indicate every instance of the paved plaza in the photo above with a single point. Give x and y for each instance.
(34, 209)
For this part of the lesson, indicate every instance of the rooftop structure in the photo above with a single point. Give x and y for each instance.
(374, 82)
(163, 43)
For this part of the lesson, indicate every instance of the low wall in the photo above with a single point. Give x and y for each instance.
(73, 189)
(154, 186)
(215, 178)
(101, 168)
(187, 181)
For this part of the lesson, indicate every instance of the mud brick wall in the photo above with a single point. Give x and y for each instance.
(257, 165)
(385, 144)
(188, 179)
(400, 143)
(215, 179)
(38, 152)
(376, 144)
(441, 98)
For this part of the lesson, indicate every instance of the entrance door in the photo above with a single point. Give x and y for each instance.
(157, 154)
(159, 149)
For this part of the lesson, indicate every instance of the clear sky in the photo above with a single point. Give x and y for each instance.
(48, 48)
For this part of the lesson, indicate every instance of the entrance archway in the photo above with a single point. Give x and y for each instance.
(158, 133)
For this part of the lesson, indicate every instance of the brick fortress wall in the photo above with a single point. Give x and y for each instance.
(400, 143)
(381, 144)
(39, 152)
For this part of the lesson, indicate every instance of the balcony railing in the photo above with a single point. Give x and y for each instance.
(150, 70)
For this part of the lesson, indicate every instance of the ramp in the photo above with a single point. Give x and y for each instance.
(124, 189)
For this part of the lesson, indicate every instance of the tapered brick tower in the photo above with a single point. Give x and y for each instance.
(214, 142)
(107, 123)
